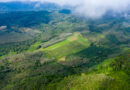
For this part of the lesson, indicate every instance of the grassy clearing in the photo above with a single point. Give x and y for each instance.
(67, 46)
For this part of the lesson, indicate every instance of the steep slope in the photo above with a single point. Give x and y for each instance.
(112, 74)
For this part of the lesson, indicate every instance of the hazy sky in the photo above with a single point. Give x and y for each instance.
(90, 8)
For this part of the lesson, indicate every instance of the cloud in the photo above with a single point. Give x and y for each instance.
(90, 8)
(97, 8)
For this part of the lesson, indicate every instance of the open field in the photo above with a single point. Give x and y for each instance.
(71, 45)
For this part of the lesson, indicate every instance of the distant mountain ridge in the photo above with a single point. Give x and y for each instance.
(27, 6)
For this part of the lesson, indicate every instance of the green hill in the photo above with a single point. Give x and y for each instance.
(112, 74)
(71, 45)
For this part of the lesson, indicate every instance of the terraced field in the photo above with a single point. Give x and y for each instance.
(71, 45)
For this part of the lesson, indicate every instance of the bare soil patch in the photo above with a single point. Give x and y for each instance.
(62, 59)
(73, 38)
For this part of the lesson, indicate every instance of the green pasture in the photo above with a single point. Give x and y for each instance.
(71, 45)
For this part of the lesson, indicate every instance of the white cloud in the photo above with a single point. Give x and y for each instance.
(90, 8)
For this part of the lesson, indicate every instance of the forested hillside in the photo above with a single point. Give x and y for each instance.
(56, 50)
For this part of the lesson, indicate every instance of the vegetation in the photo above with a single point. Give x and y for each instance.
(73, 44)
(57, 51)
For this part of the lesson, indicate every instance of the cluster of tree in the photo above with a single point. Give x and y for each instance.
(24, 19)
(122, 63)
(35, 71)
(15, 47)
